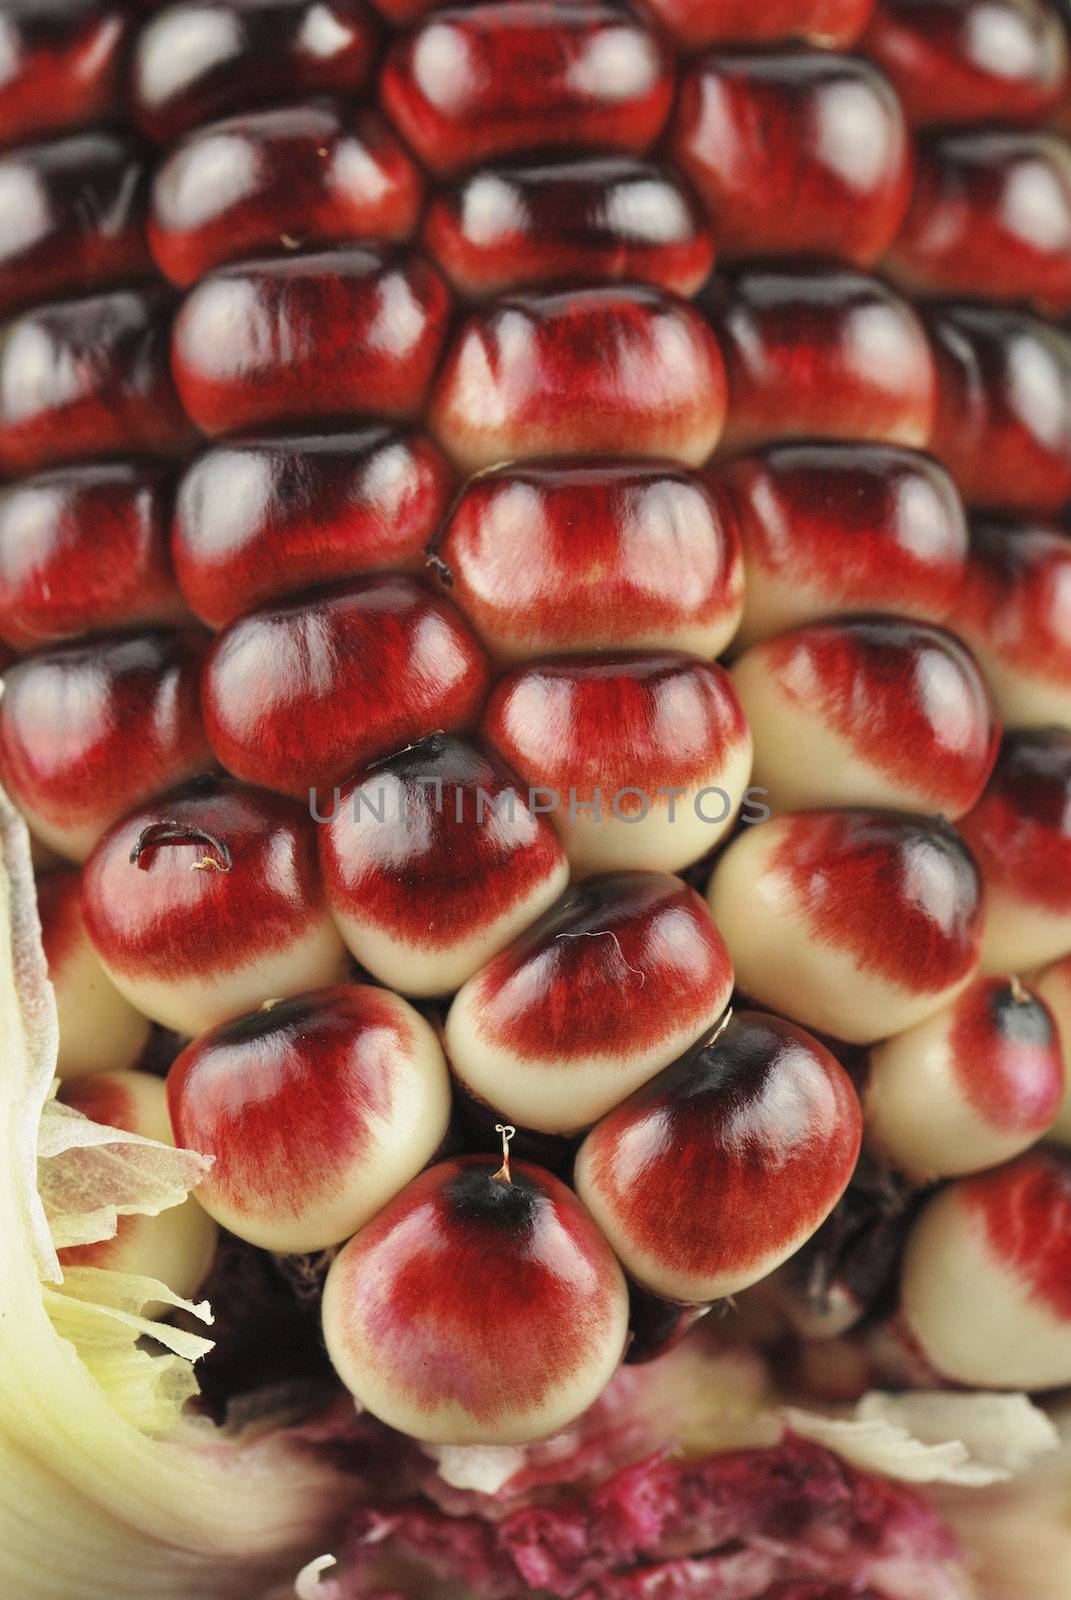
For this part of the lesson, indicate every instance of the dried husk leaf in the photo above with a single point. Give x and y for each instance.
(88, 1176)
(972, 1440)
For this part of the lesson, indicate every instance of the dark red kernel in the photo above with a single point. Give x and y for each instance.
(970, 60)
(311, 1074)
(545, 557)
(1003, 421)
(1025, 1209)
(402, 12)
(434, 842)
(1014, 600)
(321, 335)
(89, 730)
(84, 549)
(613, 371)
(87, 378)
(906, 696)
(644, 932)
(605, 218)
(470, 1266)
(472, 83)
(259, 518)
(827, 353)
(854, 527)
(72, 216)
(195, 60)
(794, 153)
(990, 218)
(269, 182)
(901, 894)
(1020, 830)
(581, 723)
(833, 24)
(299, 697)
(61, 64)
(726, 1157)
(156, 918)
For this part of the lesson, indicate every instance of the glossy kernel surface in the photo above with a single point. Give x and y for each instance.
(206, 902)
(87, 377)
(794, 153)
(545, 558)
(873, 711)
(317, 1111)
(62, 62)
(1003, 422)
(986, 1275)
(827, 529)
(326, 334)
(1020, 833)
(622, 974)
(604, 218)
(87, 730)
(601, 371)
(276, 180)
(831, 23)
(432, 860)
(301, 695)
(1013, 613)
(84, 548)
(968, 1088)
(823, 353)
(642, 759)
(990, 218)
(72, 214)
(463, 463)
(857, 923)
(761, 1126)
(257, 519)
(419, 1306)
(970, 60)
(194, 61)
(472, 83)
